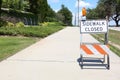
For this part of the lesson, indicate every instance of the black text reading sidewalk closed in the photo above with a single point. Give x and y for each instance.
(91, 26)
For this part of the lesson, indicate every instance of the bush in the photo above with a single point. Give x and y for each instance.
(33, 31)
(45, 24)
(21, 15)
(9, 24)
(20, 24)
(2, 23)
(52, 24)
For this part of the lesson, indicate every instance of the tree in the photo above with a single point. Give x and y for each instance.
(15, 4)
(112, 9)
(0, 13)
(116, 13)
(64, 11)
(0, 7)
(109, 8)
(33, 6)
(40, 8)
(92, 14)
(43, 9)
(59, 17)
(101, 12)
(51, 15)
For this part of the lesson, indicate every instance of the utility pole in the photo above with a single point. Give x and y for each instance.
(78, 13)
(75, 19)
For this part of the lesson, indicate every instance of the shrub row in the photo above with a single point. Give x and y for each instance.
(9, 24)
(32, 31)
(24, 16)
(2, 22)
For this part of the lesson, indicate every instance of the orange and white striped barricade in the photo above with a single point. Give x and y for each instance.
(95, 49)
(94, 27)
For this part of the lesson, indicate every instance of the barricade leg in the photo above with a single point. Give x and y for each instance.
(103, 59)
(108, 62)
(81, 61)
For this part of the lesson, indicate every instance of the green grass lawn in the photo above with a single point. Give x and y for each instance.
(11, 45)
(114, 37)
(14, 39)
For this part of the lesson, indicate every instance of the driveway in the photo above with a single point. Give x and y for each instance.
(55, 58)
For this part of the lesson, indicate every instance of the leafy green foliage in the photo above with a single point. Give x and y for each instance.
(9, 24)
(2, 23)
(32, 31)
(112, 9)
(92, 14)
(109, 8)
(0, 13)
(0, 6)
(51, 15)
(34, 6)
(66, 13)
(31, 12)
(15, 4)
(23, 16)
(37, 10)
(20, 24)
(43, 10)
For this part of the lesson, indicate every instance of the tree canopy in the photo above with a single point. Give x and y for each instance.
(37, 10)
(33, 6)
(66, 14)
(0, 6)
(110, 8)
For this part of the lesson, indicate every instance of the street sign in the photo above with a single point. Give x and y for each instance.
(94, 26)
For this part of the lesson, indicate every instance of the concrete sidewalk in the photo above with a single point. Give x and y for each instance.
(115, 28)
(55, 58)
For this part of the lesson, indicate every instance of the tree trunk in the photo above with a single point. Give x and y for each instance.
(0, 7)
(115, 18)
(117, 23)
(117, 15)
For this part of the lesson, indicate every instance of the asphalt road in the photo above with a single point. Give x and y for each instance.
(56, 58)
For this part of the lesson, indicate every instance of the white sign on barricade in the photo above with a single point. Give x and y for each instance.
(94, 26)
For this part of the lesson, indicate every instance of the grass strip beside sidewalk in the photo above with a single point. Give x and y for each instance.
(10, 45)
(113, 39)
